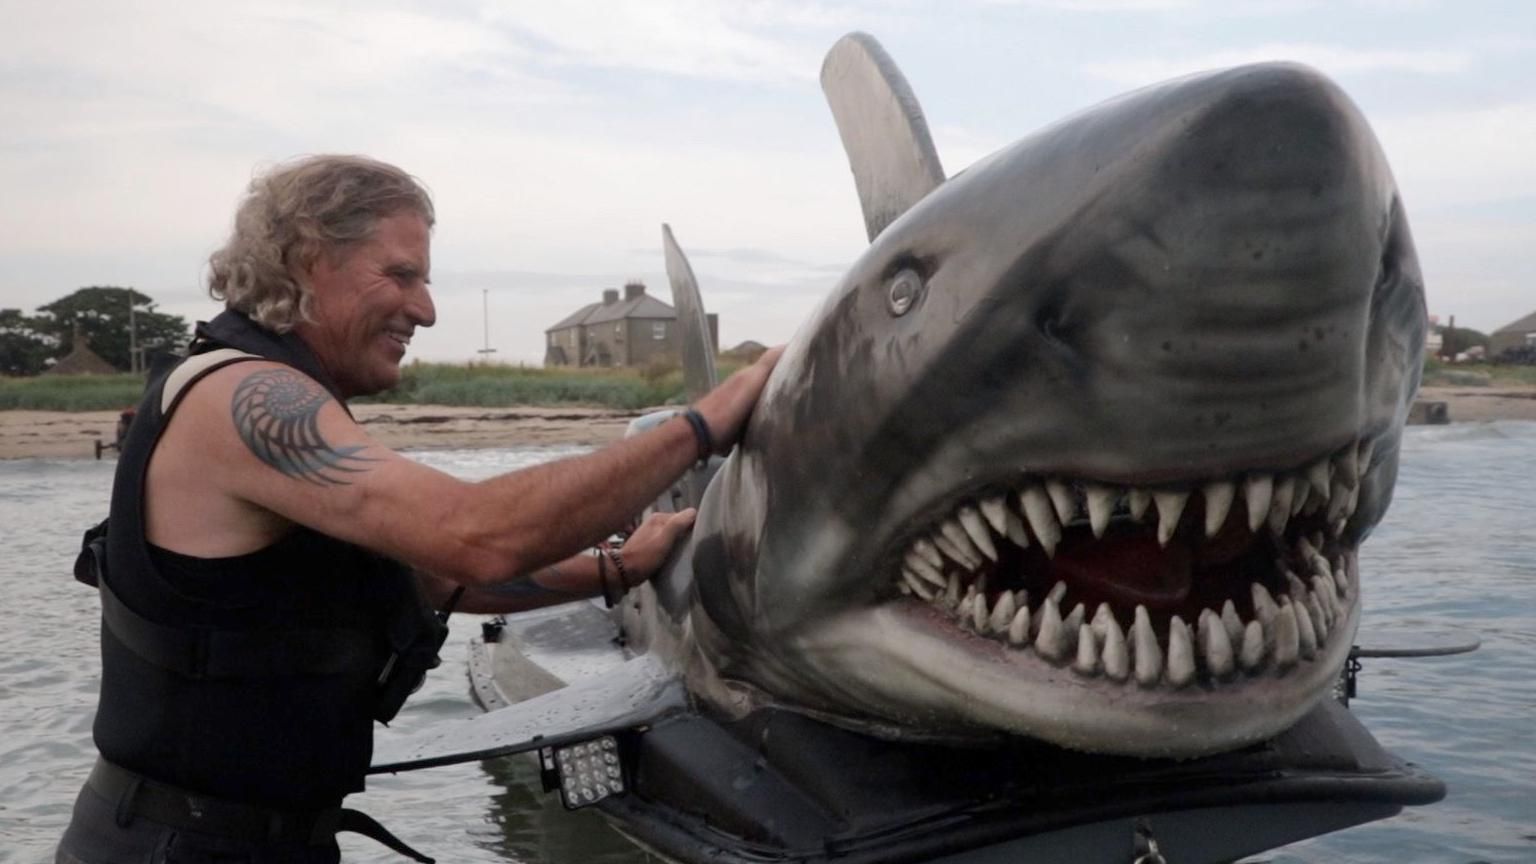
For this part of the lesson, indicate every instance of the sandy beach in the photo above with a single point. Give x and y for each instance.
(63, 435)
(1482, 404)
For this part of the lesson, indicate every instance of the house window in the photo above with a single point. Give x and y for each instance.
(553, 338)
(658, 330)
(618, 329)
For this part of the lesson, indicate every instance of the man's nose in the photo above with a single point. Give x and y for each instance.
(421, 309)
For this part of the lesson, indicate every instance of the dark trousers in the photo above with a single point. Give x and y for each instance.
(107, 832)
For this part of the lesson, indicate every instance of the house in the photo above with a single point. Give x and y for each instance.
(81, 360)
(1434, 337)
(1519, 334)
(746, 352)
(634, 331)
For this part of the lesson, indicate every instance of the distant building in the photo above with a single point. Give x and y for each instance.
(1519, 334)
(634, 331)
(81, 360)
(746, 352)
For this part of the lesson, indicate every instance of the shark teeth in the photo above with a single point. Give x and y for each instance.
(947, 566)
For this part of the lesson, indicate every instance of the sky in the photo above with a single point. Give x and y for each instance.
(557, 137)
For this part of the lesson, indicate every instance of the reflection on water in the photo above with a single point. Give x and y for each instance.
(536, 827)
(1455, 556)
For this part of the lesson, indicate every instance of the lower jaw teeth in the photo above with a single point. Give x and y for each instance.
(1219, 647)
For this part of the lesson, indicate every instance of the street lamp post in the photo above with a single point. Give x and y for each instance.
(133, 335)
(485, 318)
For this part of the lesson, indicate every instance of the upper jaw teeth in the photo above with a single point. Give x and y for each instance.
(402, 338)
(1037, 510)
(940, 567)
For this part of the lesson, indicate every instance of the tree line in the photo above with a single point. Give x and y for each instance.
(112, 319)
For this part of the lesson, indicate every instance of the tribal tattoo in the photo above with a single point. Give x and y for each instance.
(277, 413)
(528, 589)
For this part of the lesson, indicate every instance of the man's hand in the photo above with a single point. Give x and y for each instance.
(648, 546)
(727, 407)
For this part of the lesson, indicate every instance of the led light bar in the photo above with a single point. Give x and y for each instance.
(585, 773)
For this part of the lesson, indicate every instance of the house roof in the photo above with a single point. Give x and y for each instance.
(750, 346)
(1524, 325)
(574, 318)
(81, 360)
(644, 306)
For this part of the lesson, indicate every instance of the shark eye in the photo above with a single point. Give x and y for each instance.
(906, 287)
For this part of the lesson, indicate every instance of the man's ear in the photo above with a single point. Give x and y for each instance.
(303, 258)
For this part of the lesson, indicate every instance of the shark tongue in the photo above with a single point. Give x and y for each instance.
(1125, 570)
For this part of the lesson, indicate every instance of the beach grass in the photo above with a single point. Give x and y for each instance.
(479, 385)
(498, 385)
(71, 392)
(501, 385)
(492, 385)
(1438, 373)
(420, 383)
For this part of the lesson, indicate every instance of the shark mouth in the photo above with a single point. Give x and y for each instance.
(1130, 584)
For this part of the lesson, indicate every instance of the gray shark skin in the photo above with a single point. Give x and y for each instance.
(1203, 295)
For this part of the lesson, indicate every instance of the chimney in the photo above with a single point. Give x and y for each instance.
(633, 290)
(610, 296)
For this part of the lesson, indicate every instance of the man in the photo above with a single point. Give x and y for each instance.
(263, 571)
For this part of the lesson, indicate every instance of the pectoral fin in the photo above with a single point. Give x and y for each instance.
(638, 693)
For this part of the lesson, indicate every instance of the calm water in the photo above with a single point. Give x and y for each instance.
(1456, 556)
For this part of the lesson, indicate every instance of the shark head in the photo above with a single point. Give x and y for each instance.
(1083, 447)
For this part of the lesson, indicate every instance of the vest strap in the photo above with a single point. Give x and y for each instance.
(195, 367)
(134, 795)
(202, 653)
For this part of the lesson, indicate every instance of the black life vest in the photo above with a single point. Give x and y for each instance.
(255, 678)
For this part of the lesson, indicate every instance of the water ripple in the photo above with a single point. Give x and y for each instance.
(1455, 558)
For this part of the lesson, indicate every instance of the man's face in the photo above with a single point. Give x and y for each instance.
(366, 303)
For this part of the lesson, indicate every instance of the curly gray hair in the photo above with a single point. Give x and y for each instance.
(296, 212)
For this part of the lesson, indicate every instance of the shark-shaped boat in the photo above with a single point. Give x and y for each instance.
(1042, 542)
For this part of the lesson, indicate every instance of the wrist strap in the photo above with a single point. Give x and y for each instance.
(701, 432)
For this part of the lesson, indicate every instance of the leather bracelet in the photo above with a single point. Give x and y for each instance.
(602, 576)
(618, 564)
(701, 432)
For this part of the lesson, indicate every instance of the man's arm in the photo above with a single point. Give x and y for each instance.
(264, 436)
(576, 578)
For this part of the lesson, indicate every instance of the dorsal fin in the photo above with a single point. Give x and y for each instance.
(695, 346)
(893, 159)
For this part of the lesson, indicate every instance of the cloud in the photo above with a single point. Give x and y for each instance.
(1455, 157)
(962, 146)
(557, 137)
(1477, 269)
(693, 38)
(1331, 59)
(1099, 6)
